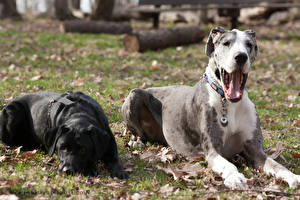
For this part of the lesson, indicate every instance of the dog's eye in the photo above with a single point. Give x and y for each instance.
(226, 43)
(249, 45)
(63, 147)
(65, 129)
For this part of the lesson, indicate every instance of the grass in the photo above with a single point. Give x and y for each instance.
(98, 66)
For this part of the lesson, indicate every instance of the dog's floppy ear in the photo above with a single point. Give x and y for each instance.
(51, 137)
(101, 140)
(210, 41)
(250, 33)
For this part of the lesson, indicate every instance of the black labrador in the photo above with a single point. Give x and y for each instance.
(72, 125)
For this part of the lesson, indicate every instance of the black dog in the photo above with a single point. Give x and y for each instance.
(72, 125)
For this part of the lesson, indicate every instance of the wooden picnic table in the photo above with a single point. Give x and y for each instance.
(232, 5)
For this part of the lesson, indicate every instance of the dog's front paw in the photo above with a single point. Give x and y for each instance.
(235, 181)
(292, 179)
(121, 174)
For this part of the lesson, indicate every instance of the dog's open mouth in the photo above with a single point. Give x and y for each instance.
(234, 84)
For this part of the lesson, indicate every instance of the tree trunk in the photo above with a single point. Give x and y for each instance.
(50, 10)
(164, 38)
(95, 27)
(62, 10)
(76, 4)
(103, 10)
(9, 10)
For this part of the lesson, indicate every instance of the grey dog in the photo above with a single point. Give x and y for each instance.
(72, 125)
(215, 117)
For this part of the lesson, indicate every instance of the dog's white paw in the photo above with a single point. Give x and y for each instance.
(236, 181)
(293, 180)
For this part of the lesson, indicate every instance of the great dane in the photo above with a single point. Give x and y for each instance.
(72, 125)
(215, 117)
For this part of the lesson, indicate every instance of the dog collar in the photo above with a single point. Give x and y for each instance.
(223, 119)
(55, 106)
(215, 87)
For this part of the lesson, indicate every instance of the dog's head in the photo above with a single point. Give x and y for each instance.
(78, 145)
(231, 54)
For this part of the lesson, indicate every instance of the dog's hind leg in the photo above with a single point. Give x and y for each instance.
(142, 115)
(15, 127)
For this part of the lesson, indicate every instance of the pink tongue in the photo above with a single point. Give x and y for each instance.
(234, 91)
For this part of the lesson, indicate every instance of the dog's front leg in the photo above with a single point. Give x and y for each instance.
(229, 172)
(254, 151)
(271, 167)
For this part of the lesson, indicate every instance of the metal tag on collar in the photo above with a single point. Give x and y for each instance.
(224, 121)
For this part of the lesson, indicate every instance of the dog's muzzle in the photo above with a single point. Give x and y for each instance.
(233, 84)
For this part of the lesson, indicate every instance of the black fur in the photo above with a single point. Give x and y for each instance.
(72, 125)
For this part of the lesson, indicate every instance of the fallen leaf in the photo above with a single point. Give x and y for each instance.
(9, 99)
(50, 162)
(34, 57)
(167, 155)
(98, 80)
(154, 64)
(278, 150)
(29, 155)
(17, 151)
(10, 182)
(11, 67)
(149, 155)
(172, 171)
(296, 122)
(35, 78)
(9, 197)
(166, 189)
(3, 158)
(292, 98)
(295, 155)
(136, 196)
(199, 158)
(193, 170)
(270, 121)
(76, 84)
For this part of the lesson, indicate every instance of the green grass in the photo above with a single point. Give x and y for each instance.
(75, 61)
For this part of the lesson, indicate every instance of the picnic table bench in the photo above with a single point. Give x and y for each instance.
(231, 7)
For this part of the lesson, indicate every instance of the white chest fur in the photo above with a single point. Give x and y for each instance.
(241, 116)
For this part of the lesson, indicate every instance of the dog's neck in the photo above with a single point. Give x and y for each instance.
(214, 86)
(211, 74)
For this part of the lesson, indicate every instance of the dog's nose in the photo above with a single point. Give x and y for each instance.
(241, 58)
(67, 170)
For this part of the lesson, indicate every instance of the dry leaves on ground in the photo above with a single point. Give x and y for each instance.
(162, 154)
(17, 156)
(186, 172)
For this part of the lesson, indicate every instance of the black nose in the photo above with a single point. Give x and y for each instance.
(67, 170)
(241, 58)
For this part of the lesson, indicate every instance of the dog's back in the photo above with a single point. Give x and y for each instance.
(19, 118)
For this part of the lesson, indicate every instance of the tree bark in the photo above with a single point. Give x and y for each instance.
(163, 38)
(9, 10)
(103, 10)
(62, 10)
(95, 27)
(76, 4)
(50, 10)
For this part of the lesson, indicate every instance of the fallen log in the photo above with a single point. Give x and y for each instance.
(163, 38)
(79, 26)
